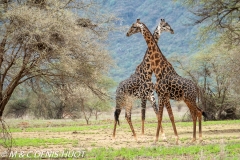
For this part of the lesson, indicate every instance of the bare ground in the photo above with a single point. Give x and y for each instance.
(90, 139)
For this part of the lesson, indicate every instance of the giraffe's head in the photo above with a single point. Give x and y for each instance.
(163, 26)
(135, 28)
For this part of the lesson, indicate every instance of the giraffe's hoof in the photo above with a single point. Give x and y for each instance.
(200, 141)
(154, 143)
(135, 137)
(192, 141)
(165, 140)
(177, 143)
(156, 140)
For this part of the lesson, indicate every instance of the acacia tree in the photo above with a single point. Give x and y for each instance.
(220, 27)
(216, 78)
(45, 40)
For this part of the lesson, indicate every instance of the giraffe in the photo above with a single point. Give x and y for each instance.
(169, 84)
(139, 85)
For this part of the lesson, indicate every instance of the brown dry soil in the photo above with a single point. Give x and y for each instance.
(103, 137)
(89, 139)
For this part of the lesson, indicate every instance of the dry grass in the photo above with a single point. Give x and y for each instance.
(72, 135)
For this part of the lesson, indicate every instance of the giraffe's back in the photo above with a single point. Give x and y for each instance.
(177, 88)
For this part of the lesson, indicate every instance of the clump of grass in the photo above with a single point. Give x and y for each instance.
(93, 144)
(75, 143)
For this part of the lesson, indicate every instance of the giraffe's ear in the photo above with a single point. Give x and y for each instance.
(138, 20)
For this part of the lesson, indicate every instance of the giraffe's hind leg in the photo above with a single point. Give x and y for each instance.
(199, 114)
(194, 117)
(143, 112)
(128, 110)
(193, 111)
(128, 118)
(116, 116)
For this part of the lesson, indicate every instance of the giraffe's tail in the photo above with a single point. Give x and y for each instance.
(203, 112)
(116, 115)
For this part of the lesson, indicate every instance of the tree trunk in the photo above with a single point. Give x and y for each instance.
(84, 112)
(59, 114)
(87, 120)
(96, 115)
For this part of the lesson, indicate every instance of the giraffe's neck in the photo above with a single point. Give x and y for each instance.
(156, 36)
(144, 66)
(158, 63)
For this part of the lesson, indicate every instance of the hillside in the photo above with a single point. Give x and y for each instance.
(129, 51)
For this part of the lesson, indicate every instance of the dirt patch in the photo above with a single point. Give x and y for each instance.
(102, 137)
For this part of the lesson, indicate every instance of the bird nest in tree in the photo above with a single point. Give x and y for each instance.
(37, 2)
(85, 23)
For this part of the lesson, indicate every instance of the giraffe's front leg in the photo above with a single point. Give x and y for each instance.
(116, 117)
(128, 118)
(160, 114)
(151, 98)
(170, 114)
(193, 110)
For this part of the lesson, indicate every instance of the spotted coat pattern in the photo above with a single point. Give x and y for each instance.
(139, 85)
(169, 84)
